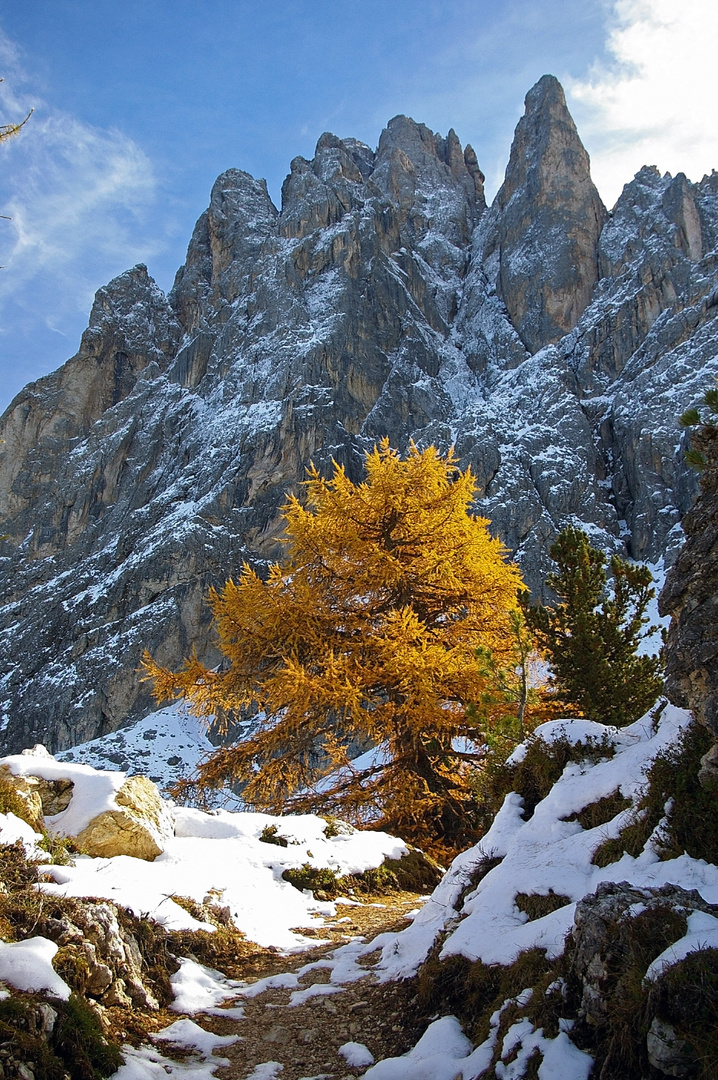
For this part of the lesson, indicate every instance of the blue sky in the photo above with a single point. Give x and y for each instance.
(140, 104)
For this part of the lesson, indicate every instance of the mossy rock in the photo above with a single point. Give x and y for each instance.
(413, 872)
(270, 835)
(76, 1046)
(17, 798)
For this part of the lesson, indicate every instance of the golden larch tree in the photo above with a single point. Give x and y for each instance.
(371, 635)
(9, 131)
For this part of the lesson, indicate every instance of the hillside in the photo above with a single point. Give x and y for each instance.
(579, 935)
(553, 342)
(578, 938)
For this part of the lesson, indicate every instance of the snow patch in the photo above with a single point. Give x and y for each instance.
(27, 965)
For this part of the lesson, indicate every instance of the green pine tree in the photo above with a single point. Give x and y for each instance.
(704, 439)
(591, 635)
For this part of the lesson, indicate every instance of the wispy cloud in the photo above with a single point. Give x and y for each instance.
(653, 102)
(80, 199)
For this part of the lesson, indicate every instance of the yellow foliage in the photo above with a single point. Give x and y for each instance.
(9, 131)
(370, 635)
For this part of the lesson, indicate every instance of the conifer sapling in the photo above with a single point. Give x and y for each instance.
(591, 635)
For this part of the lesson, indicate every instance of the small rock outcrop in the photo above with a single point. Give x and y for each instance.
(603, 926)
(102, 954)
(617, 931)
(138, 827)
(104, 969)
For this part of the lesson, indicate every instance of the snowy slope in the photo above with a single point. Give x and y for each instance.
(166, 745)
(222, 852)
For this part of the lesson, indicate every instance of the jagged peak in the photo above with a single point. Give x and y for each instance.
(546, 91)
(333, 158)
(413, 138)
(547, 193)
(235, 178)
(126, 288)
(244, 190)
(414, 147)
(546, 146)
(328, 141)
(138, 273)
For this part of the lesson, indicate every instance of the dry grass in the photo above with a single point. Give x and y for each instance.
(536, 905)
(691, 825)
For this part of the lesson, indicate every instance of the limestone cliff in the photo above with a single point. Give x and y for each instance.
(554, 345)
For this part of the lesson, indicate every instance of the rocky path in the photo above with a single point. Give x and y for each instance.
(302, 1027)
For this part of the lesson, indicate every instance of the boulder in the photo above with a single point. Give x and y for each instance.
(26, 788)
(138, 827)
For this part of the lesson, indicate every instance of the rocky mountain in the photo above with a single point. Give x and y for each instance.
(552, 342)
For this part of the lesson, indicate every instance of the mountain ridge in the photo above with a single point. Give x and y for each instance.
(552, 343)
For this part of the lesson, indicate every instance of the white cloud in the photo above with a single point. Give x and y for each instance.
(73, 189)
(654, 103)
(80, 200)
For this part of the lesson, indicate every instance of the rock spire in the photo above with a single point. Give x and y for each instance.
(546, 222)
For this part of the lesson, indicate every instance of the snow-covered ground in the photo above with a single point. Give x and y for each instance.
(166, 746)
(221, 853)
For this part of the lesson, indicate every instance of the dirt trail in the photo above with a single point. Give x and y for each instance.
(305, 1038)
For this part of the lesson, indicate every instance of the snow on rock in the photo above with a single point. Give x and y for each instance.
(547, 853)
(218, 855)
(575, 731)
(109, 814)
(301, 997)
(93, 792)
(200, 989)
(27, 965)
(356, 1054)
(444, 1053)
(544, 853)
